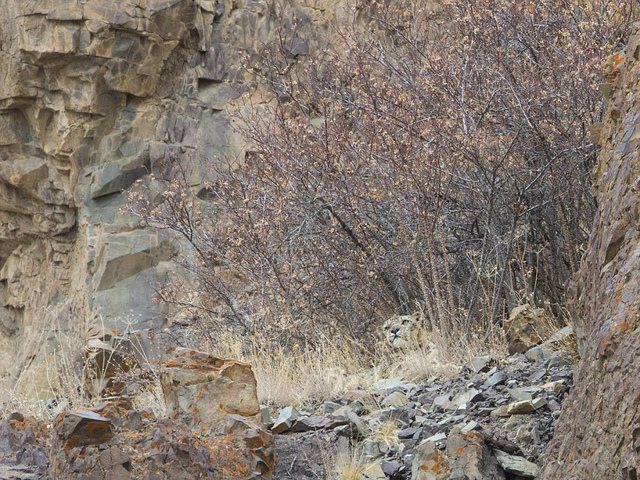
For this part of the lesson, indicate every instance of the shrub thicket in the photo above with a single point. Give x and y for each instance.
(435, 156)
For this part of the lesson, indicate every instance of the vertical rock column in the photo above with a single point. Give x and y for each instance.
(598, 435)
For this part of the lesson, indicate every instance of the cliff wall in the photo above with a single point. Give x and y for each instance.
(93, 96)
(598, 435)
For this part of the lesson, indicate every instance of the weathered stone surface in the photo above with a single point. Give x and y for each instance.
(525, 328)
(202, 390)
(141, 446)
(93, 96)
(80, 428)
(466, 456)
(597, 435)
(518, 465)
(285, 420)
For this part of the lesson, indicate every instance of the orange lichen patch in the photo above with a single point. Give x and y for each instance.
(439, 463)
(112, 409)
(39, 428)
(92, 433)
(612, 66)
(624, 327)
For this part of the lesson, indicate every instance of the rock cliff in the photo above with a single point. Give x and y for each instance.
(599, 432)
(93, 97)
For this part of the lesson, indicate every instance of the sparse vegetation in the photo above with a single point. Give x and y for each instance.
(434, 155)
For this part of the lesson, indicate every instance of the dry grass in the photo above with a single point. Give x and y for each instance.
(387, 433)
(298, 377)
(345, 463)
(286, 377)
(70, 377)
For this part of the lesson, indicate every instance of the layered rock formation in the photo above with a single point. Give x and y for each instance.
(93, 97)
(599, 433)
(202, 439)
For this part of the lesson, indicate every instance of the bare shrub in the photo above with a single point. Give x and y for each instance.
(435, 154)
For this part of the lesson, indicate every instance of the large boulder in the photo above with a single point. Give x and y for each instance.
(525, 328)
(113, 441)
(215, 430)
(211, 394)
(466, 456)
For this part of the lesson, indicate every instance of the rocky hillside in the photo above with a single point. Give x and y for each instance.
(96, 95)
(491, 422)
(93, 97)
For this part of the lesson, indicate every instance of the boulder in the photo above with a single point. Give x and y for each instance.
(214, 395)
(466, 456)
(525, 328)
(517, 465)
(201, 390)
(115, 441)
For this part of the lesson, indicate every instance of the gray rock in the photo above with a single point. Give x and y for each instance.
(392, 468)
(307, 424)
(523, 393)
(357, 407)
(396, 399)
(496, 379)
(466, 457)
(437, 437)
(517, 465)
(557, 360)
(539, 353)
(329, 407)
(479, 364)
(515, 408)
(285, 420)
(464, 397)
(538, 403)
(386, 386)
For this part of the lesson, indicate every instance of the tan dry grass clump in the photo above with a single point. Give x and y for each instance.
(347, 463)
(387, 433)
(439, 353)
(305, 377)
(293, 376)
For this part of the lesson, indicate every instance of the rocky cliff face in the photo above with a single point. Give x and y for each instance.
(599, 432)
(92, 97)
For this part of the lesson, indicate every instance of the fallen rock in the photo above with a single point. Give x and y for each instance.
(307, 424)
(285, 420)
(525, 328)
(518, 465)
(516, 408)
(467, 456)
(464, 397)
(210, 394)
(79, 428)
(201, 389)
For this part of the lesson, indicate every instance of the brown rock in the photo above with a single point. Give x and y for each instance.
(211, 394)
(466, 456)
(525, 328)
(81, 428)
(202, 390)
(523, 407)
